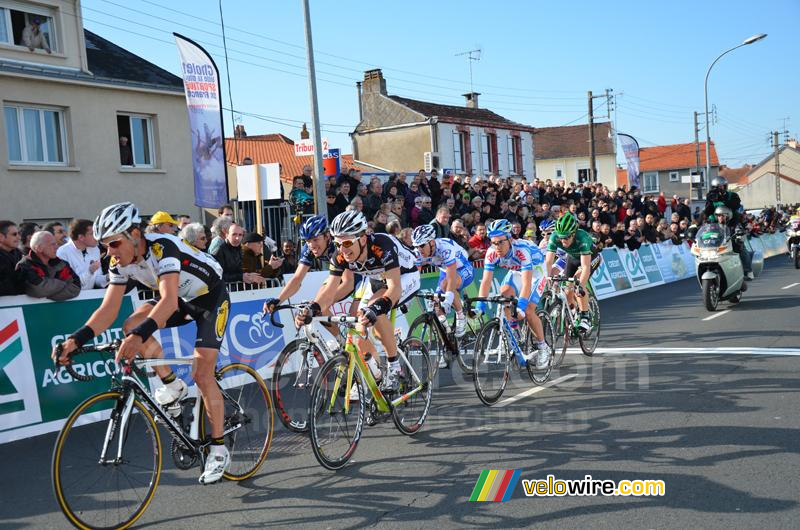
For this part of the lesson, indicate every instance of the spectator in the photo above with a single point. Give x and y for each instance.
(357, 204)
(662, 231)
(226, 210)
(300, 198)
(648, 229)
(405, 237)
(633, 238)
(412, 194)
(289, 258)
(605, 230)
(253, 258)
(426, 211)
(393, 228)
(10, 279)
(661, 204)
(684, 209)
(373, 200)
(229, 255)
(413, 214)
(33, 38)
(677, 237)
(618, 236)
(125, 152)
(434, 187)
(83, 255)
(57, 229)
(219, 231)
(480, 241)
(398, 213)
(380, 221)
(26, 231)
(459, 233)
(512, 213)
(308, 182)
(331, 203)
(195, 235)
(516, 230)
(164, 223)
(45, 275)
(594, 231)
(342, 198)
(184, 221)
(441, 223)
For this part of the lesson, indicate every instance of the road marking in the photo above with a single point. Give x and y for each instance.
(722, 350)
(790, 285)
(715, 315)
(534, 390)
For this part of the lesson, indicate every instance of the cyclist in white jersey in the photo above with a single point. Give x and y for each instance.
(525, 280)
(455, 270)
(546, 227)
(190, 288)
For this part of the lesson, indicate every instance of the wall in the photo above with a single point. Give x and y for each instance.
(93, 177)
(606, 169)
(395, 149)
(447, 153)
(760, 192)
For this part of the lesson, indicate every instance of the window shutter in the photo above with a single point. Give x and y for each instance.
(473, 153)
(457, 151)
(485, 153)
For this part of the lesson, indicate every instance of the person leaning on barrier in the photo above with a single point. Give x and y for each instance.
(11, 282)
(219, 231)
(44, 274)
(253, 258)
(195, 235)
(83, 255)
(229, 255)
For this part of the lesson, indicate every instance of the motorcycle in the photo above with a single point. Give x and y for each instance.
(717, 264)
(793, 243)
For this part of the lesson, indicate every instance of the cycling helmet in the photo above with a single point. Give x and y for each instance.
(566, 225)
(115, 219)
(349, 223)
(500, 227)
(723, 210)
(719, 182)
(546, 225)
(313, 227)
(422, 234)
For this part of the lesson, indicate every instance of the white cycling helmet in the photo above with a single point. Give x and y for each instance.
(422, 234)
(115, 219)
(349, 223)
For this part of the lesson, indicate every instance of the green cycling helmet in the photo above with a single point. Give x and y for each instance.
(566, 225)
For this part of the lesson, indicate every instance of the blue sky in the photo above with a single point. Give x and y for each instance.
(538, 60)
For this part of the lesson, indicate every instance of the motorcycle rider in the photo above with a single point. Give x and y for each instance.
(720, 197)
(793, 231)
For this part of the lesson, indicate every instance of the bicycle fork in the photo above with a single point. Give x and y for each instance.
(118, 421)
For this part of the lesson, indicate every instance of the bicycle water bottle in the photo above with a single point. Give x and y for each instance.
(373, 366)
(443, 320)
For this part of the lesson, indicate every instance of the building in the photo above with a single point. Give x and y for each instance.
(662, 167)
(399, 134)
(760, 187)
(64, 111)
(562, 153)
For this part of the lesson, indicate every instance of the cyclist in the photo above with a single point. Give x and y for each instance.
(524, 280)
(546, 227)
(190, 287)
(393, 278)
(583, 257)
(455, 270)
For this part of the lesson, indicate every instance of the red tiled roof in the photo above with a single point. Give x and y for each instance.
(270, 148)
(677, 156)
(571, 141)
(735, 175)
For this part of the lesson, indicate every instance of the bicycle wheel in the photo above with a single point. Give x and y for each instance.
(427, 331)
(116, 492)
(249, 419)
(409, 415)
(466, 346)
(335, 431)
(540, 376)
(290, 387)
(560, 332)
(589, 339)
(492, 364)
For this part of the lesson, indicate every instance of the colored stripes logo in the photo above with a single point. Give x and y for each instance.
(10, 348)
(494, 485)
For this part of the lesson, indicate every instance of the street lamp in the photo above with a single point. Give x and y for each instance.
(751, 40)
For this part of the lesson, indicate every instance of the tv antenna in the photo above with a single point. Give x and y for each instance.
(472, 55)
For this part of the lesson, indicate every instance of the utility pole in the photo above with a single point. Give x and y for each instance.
(696, 154)
(319, 184)
(776, 145)
(592, 161)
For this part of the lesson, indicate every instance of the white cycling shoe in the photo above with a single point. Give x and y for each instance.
(543, 357)
(461, 326)
(217, 463)
(168, 394)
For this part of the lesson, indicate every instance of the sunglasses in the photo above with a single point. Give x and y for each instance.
(565, 238)
(115, 244)
(499, 243)
(347, 243)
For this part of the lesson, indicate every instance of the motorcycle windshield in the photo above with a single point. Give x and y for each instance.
(711, 235)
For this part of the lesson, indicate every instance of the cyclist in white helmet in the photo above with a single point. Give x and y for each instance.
(455, 270)
(190, 288)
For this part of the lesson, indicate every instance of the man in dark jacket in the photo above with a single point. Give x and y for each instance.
(229, 255)
(45, 275)
(10, 279)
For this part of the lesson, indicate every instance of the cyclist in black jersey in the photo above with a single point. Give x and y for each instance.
(190, 287)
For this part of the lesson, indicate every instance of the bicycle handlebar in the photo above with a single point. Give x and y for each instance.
(102, 348)
(491, 299)
(436, 297)
(301, 305)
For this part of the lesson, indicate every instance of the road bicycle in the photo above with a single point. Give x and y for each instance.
(499, 347)
(107, 460)
(345, 389)
(439, 337)
(565, 319)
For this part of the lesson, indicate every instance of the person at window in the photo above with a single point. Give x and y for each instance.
(33, 38)
(44, 274)
(10, 279)
(125, 152)
(83, 255)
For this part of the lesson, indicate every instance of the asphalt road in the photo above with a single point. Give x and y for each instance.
(717, 422)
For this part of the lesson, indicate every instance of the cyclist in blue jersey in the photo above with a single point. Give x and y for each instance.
(525, 280)
(546, 227)
(455, 270)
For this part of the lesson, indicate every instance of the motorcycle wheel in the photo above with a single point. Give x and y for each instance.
(710, 294)
(796, 259)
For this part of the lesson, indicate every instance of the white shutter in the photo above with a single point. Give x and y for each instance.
(510, 157)
(522, 149)
(457, 151)
(473, 152)
(485, 154)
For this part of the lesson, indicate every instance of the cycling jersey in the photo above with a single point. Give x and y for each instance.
(447, 252)
(308, 258)
(561, 255)
(383, 253)
(522, 255)
(582, 244)
(167, 254)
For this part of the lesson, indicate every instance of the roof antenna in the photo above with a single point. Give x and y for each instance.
(472, 55)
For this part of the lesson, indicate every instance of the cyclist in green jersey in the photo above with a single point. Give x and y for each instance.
(583, 258)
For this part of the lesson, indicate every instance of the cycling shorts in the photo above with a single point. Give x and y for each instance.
(210, 313)
(409, 284)
(574, 263)
(514, 279)
(466, 273)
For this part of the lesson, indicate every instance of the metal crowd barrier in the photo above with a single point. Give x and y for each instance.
(233, 287)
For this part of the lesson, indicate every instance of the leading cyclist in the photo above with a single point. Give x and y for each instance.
(190, 288)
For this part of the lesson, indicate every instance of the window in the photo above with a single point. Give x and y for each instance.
(35, 135)
(18, 28)
(458, 159)
(135, 140)
(490, 154)
(462, 152)
(559, 172)
(674, 176)
(650, 182)
(514, 155)
(583, 175)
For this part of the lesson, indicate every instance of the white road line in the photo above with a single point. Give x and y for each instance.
(715, 315)
(721, 350)
(790, 285)
(534, 390)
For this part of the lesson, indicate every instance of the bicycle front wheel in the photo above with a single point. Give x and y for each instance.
(409, 415)
(296, 367)
(538, 376)
(427, 331)
(466, 346)
(560, 332)
(111, 491)
(589, 339)
(336, 428)
(249, 419)
(491, 364)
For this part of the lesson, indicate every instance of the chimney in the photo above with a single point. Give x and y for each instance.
(360, 108)
(472, 99)
(792, 143)
(304, 135)
(239, 132)
(374, 82)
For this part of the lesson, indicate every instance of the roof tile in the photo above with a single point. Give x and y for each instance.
(676, 156)
(571, 141)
